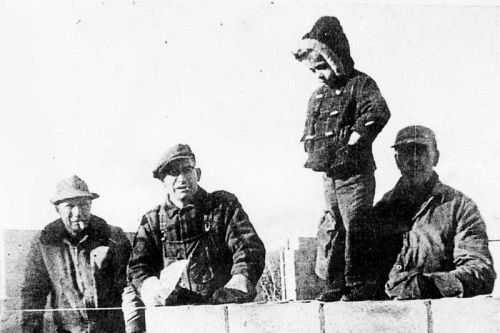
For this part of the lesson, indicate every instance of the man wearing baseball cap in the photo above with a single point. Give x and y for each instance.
(224, 255)
(80, 261)
(434, 241)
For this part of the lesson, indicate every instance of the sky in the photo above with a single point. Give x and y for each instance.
(101, 89)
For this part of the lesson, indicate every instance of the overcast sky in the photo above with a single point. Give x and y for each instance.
(102, 88)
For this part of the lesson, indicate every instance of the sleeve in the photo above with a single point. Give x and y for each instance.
(146, 259)
(473, 274)
(372, 111)
(310, 117)
(122, 255)
(247, 248)
(35, 289)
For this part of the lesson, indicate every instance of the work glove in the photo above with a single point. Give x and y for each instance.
(411, 285)
(151, 292)
(238, 290)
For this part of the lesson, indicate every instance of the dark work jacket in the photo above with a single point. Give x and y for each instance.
(213, 232)
(88, 275)
(353, 104)
(443, 245)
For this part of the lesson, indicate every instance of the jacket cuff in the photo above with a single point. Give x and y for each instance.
(447, 284)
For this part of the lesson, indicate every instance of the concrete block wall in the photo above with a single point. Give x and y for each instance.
(425, 316)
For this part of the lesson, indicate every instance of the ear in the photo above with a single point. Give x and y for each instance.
(198, 173)
(436, 158)
(396, 159)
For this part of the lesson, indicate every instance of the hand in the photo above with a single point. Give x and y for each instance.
(151, 292)
(238, 290)
(354, 138)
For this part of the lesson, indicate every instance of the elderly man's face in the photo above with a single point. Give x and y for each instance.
(181, 181)
(416, 162)
(75, 214)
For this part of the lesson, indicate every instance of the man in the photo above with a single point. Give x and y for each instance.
(80, 261)
(211, 231)
(434, 232)
(344, 117)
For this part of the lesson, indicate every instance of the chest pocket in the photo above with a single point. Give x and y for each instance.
(202, 252)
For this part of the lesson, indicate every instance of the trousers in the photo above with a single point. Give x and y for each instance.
(344, 243)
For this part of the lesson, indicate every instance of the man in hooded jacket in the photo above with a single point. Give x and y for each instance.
(344, 116)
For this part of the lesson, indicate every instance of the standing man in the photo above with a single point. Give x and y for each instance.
(80, 261)
(344, 116)
(211, 231)
(432, 235)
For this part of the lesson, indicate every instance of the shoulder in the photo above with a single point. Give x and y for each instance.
(52, 233)
(223, 198)
(449, 194)
(152, 213)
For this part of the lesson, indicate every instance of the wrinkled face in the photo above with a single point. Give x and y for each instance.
(75, 214)
(181, 181)
(321, 69)
(416, 162)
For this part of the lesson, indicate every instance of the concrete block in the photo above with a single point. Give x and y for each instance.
(479, 314)
(388, 316)
(262, 318)
(186, 319)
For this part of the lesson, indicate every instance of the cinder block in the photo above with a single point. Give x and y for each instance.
(285, 317)
(186, 319)
(388, 316)
(455, 315)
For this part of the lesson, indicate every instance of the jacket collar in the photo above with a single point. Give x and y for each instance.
(56, 233)
(200, 202)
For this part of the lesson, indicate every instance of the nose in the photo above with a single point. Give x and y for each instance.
(75, 213)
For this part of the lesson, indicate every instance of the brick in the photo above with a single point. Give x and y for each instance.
(285, 317)
(455, 315)
(186, 319)
(388, 316)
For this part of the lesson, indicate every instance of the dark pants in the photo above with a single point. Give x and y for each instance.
(344, 245)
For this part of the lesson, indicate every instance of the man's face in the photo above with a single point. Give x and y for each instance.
(181, 181)
(75, 214)
(321, 69)
(416, 162)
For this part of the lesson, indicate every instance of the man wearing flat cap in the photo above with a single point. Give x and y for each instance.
(224, 255)
(80, 261)
(433, 239)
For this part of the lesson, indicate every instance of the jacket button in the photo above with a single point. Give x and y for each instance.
(399, 267)
(337, 92)
(334, 112)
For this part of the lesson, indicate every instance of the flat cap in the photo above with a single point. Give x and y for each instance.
(177, 152)
(70, 188)
(415, 134)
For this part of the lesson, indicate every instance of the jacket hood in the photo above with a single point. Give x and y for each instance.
(328, 39)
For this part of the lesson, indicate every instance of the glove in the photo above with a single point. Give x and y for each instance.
(151, 292)
(238, 290)
(228, 295)
(411, 285)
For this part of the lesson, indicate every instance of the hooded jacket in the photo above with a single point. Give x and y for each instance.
(353, 103)
(443, 245)
(88, 275)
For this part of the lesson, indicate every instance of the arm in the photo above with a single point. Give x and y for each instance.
(248, 258)
(371, 111)
(473, 274)
(35, 289)
(146, 260)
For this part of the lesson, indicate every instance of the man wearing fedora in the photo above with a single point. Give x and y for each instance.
(224, 255)
(80, 261)
(434, 241)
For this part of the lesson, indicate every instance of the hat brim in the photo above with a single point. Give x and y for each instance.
(425, 142)
(75, 194)
(161, 172)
